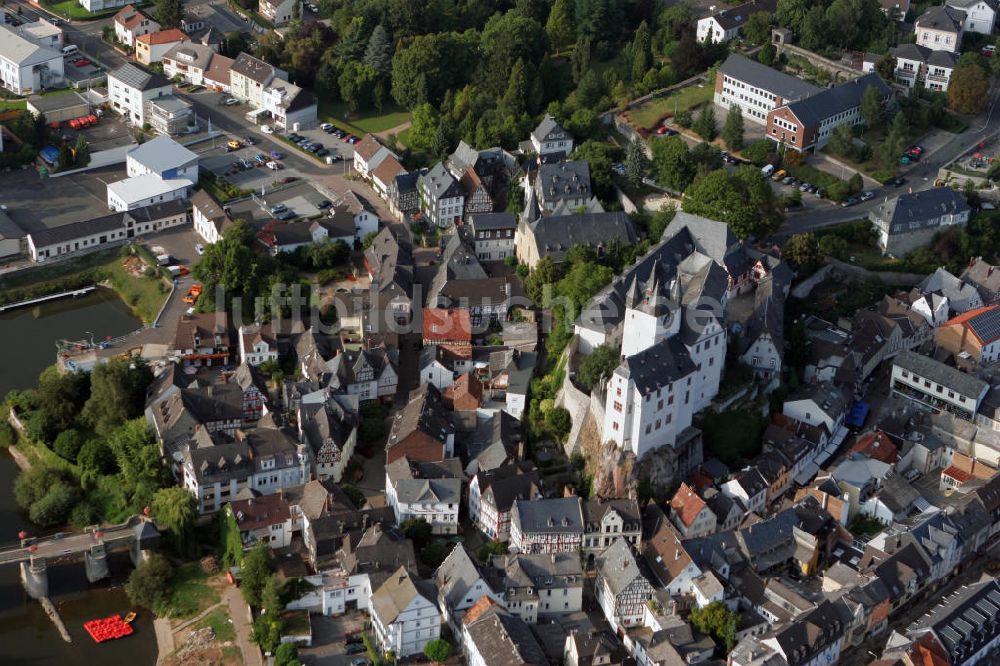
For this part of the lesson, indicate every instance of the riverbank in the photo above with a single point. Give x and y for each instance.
(141, 286)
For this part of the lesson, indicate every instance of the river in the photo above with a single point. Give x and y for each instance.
(26, 634)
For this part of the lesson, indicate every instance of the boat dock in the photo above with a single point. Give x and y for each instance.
(51, 297)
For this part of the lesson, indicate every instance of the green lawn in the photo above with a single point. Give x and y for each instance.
(191, 592)
(144, 295)
(220, 623)
(366, 121)
(73, 10)
(18, 104)
(649, 114)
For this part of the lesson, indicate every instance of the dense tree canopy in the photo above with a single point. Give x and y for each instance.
(743, 200)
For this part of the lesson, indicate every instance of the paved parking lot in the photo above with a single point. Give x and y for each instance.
(214, 157)
(74, 71)
(35, 203)
(301, 198)
(328, 640)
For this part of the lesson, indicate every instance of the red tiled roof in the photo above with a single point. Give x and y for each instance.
(876, 445)
(388, 169)
(686, 504)
(367, 147)
(443, 324)
(163, 37)
(958, 474)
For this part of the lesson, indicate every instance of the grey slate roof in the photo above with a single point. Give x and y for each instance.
(659, 365)
(555, 235)
(924, 54)
(943, 18)
(115, 221)
(923, 209)
(456, 576)
(549, 130)
(505, 640)
(756, 74)
(924, 366)
(564, 180)
(254, 68)
(732, 17)
(559, 515)
(439, 182)
(506, 484)
(492, 221)
(618, 566)
(831, 101)
(966, 621)
(134, 77)
(191, 54)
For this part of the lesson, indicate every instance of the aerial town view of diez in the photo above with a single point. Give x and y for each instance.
(499, 332)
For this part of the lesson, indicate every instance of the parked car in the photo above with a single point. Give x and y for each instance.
(249, 140)
(353, 140)
(230, 101)
(260, 158)
(287, 215)
(780, 174)
(266, 129)
(896, 182)
(325, 203)
(322, 152)
(868, 195)
(82, 62)
(850, 201)
(325, 126)
(339, 133)
(804, 187)
(787, 180)
(293, 137)
(274, 166)
(277, 208)
(915, 150)
(354, 648)
(820, 193)
(275, 155)
(234, 144)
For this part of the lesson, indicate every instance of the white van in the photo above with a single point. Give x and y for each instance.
(767, 170)
(70, 50)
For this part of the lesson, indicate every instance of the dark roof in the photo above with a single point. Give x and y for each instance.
(555, 515)
(831, 101)
(222, 461)
(809, 635)
(919, 53)
(734, 17)
(554, 236)
(926, 367)
(112, 222)
(966, 621)
(506, 484)
(490, 221)
(942, 17)
(919, 208)
(254, 68)
(659, 365)
(564, 180)
(789, 88)
(506, 639)
(440, 183)
(390, 263)
(425, 412)
(549, 129)
(136, 77)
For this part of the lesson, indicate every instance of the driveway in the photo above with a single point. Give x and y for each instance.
(328, 639)
(240, 614)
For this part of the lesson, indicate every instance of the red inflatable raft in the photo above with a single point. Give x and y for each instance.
(108, 628)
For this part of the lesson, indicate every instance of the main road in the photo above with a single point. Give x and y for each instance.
(921, 176)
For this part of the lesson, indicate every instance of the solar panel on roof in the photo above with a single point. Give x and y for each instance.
(986, 325)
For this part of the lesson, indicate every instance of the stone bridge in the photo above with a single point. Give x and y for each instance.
(137, 534)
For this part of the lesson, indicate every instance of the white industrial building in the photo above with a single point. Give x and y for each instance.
(25, 66)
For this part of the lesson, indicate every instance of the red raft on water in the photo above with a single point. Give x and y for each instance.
(108, 628)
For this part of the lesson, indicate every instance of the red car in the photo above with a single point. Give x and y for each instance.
(662, 129)
(83, 62)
